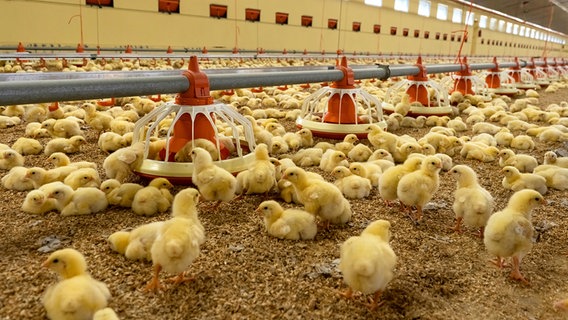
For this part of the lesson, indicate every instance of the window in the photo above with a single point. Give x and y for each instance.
(437, 36)
(281, 18)
(533, 32)
(492, 23)
(522, 31)
(469, 18)
(405, 32)
(416, 33)
(482, 21)
(169, 6)
(100, 3)
(424, 8)
(401, 5)
(307, 21)
(332, 24)
(426, 34)
(393, 31)
(445, 37)
(501, 26)
(356, 26)
(509, 28)
(377, 28)
(218, 11)
(515, 29)
(374, 3)
(252, 15)
(442, 12)
(457, 16)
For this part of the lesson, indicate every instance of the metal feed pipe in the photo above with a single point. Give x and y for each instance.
(83, 86)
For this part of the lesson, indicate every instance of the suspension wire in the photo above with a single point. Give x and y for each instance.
(544, 51)
(464, 32)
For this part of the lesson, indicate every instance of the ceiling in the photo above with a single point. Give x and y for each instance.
(535, 11)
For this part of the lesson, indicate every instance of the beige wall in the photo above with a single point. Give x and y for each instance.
(137, 22)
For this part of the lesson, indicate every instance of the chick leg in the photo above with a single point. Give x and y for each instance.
(154, 284)
(516, 273)
(457, 227)
(181, 278)
(418, 213)
(480, 232)
(347, 293)
(374, 302)
(499, 262)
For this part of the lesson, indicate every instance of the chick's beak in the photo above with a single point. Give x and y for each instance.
(46, 264)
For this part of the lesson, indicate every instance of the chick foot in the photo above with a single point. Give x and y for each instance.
(499, 262)
(375, 302)
(457, 227)
(347, 293)
(154, 284)
(181, 278)
(516, 273)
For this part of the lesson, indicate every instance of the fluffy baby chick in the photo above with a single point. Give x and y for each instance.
(523, 162)
(306, 157)
(367, 261)
(352, 186)
(388, 182)
(403, 106)
(292, 224)
(10, 158)
(84, 177)
(179, 238)
(319, 197)
(479, 151)
(260, 177)
(360, 153)
(60, 159)
(110, 142)
(99, 121)
(381, 154)
(119, 164)
(522, 142)
(402, 152)
(37, 202)
(473, 204)
(275, 128)
(40, 176)
(556, 177)
(78, 202)
(77, 295)
(293, 140)
(137, 243)
(27, 146)
(16, 179)
(214, 183)
(381, 139)
(65, 145)
(509, 232)
(418, 187)
(515, 180)
(331, 159)
(551, 158)
(306, 138)
(261, 135)
(184, 154)
(278, 146)
(347, 144)
(120, 194)
(368, 170)
(65, 128)
(153, 199)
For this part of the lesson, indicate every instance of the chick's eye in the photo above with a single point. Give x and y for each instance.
(265, 208)
(537, 199)
(55, 260)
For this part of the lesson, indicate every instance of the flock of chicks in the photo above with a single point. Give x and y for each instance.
(399, 168)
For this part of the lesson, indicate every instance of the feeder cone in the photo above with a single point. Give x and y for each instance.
(463, 82)
(20, 48)
(53, 107)
(341, 107)
(417, 91)
(492, 80)
(128, 49)
(204, 50)
(80, 48)
(170, 50)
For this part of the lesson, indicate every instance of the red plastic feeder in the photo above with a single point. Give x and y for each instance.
(498, 81)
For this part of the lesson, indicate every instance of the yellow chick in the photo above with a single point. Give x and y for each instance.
(276, 129)
(515, 180)
(34, 130)
(403, 107)
(418, 187)
(184, 154)
(360, 153)
(473, 204)
(153, 199)
(293, 140)
(402, 152)
(37, 202)
(551, 158)
(509, 232)
(99, 121)
(292, 224)
(10, 158)
(214, 183)
(331, 159)
(347, 144)
(479, 151)
(65, 145)
(120, 194)
(119, 164)
(40, 176)
(319, 197)
(306, 137)
(552, 135)
(178, 240)
(381, 154)
(278, 146)
(65, 128)
(306, 157)
(16, 179)
(324, 146)
(523, 142)
(83, 177)
(260, 177)
(367, 261)
(121, 126)
(77, 295)
(136, 244)
(369, 170)
(27, 146)
(388, 182)
(105, 314)
(523, 162)
(60, 159)
(78, 202)
(110, 142)
(261, 135)
(381, 139)
(556, 177)
(352, 186)
(485, 127)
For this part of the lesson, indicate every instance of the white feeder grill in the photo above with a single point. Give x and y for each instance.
(478, 85)
(507, 83)
(541, 77)
(527, 80)
(184, 170)
(552, 74)
(315, 106)
(441, 107)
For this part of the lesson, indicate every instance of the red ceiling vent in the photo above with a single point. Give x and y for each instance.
(416, 33)
(426, 34)
(356, 26)
(377, 28)
(218, 11)
(252, 15)
(393, 31)
(332, 24)
(405, 32)
(169, 6)
(281, 18)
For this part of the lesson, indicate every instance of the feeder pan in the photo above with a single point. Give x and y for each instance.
(191, 118)
(541, 78)
(522, 79)
(506, 84)
(340, 109)
(474, 85)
